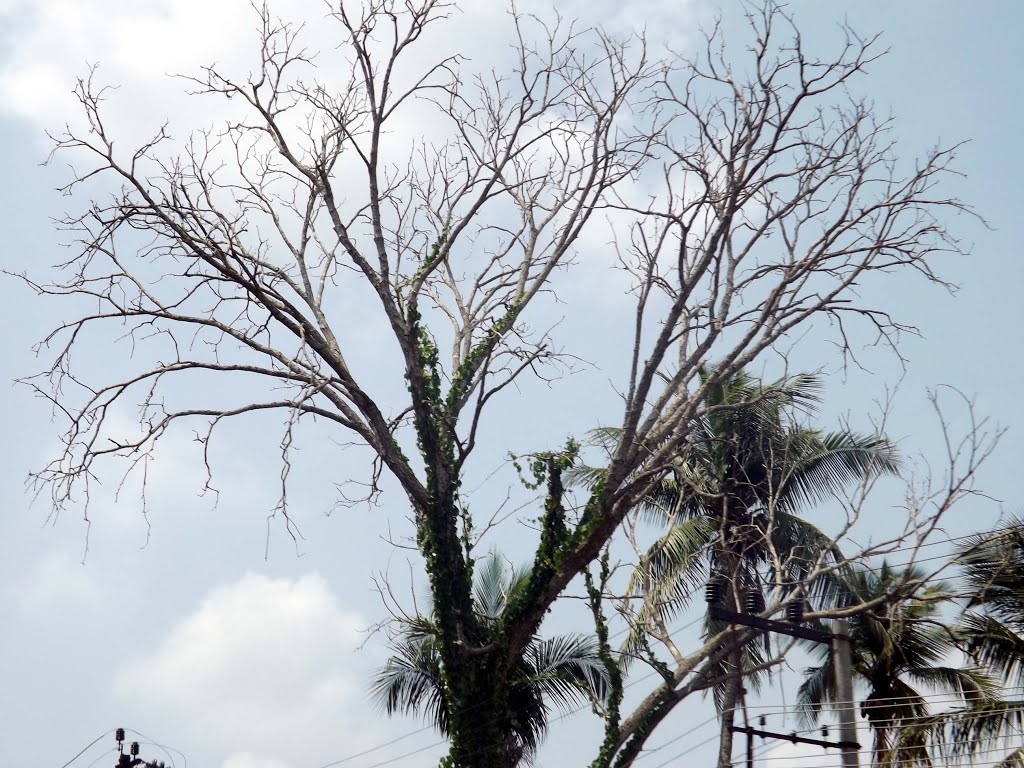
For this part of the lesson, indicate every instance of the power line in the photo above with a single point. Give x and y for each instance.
(928, 699)
(770, 746)
(379, 747)
(687, 751)
(167, 750)
(86, 748)
(109, 752)
(931, 745)
(817, 756)
(558, 719)
(648, 752)
(905, 761)
(768, 709)
(407, 754)
(619, 633)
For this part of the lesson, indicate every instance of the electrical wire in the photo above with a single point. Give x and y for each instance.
(950, 540)
(816, 756)
(558, 719)
(167, 750)
(86, 748)
(796, 708)
(934, 744)
(648, 752)
(407, 754)
(687, 751)
(390, 742)
(378, 747)
(940, 745)
(781, 741)
(105, 754)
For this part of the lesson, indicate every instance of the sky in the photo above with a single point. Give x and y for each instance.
(206, 626)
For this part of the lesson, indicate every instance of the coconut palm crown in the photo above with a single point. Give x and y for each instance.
(561, 671)
(899, 652)
(991, 633)
(730, 501)
(733, 493)
(992, 565)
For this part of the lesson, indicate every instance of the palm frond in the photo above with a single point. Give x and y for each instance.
(966, 682)
(410, 682)
(673, 569)
(567, 669)
(817, 689)
(1014, 759)
(495, 582)
(490, 588)
(820, 465)
(583, 476)
(993, 570)
(993, 645)
(979, 727)
(670, 566)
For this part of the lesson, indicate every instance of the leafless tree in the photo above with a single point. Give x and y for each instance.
(754, 196)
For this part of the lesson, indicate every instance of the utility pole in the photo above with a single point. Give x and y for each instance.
(750, 736)
(840, 642)
(844, 692)
(132, 759)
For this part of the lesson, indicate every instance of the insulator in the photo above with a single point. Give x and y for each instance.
(763, 721)
(824, 731)
(795, 611)
(752, 604)
(135, 749)
(713, 592)
(119, 734)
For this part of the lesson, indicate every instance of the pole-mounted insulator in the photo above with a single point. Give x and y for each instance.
(795, 612)
(713, 592)
(752, 604)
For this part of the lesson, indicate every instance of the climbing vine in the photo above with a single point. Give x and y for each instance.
(612, 666)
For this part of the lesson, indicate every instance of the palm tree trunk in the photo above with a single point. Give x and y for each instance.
(730, 698)
(880, 756)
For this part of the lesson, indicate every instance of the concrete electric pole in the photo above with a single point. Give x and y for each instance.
(844, 692)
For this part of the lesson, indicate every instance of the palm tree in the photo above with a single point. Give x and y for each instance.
(898, 650)
(993, 572)
(991, 632)
(562, 671)
(731, 501)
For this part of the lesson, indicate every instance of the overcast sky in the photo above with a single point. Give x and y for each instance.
(210, 630)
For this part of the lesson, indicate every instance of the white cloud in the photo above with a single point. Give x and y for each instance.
(50, 42)
(261, 670)
(137, 43)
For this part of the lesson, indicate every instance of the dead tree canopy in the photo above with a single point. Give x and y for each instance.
(753, 196)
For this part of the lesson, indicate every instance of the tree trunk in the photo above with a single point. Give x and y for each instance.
(733, 684)
(480, 717)
(731, 563)
(881, 755)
